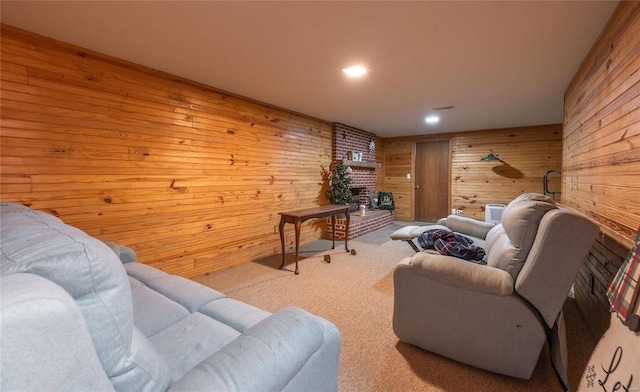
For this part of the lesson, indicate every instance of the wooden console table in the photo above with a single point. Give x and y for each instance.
(298, 216)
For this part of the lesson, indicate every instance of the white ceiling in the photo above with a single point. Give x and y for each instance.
(501, 64)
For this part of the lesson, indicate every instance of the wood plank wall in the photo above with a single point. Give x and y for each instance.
(601, 148)
(526, 154)
(190, 177)
(398, 162)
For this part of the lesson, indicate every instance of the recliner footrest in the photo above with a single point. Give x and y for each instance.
(408, 233)
(403, 233)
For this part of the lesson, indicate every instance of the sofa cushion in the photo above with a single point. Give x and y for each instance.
(500, 251)
(509, 243)
(188, 342)
(238, 315)
(185, 292)
(153, 312)
(185, 321)
(522, 216)
(41, 244)
(267, 357)
(143, 369)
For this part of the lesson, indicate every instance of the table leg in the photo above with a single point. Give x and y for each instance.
(298, 225)
(282, 239)
(333, 231)
(346, 231)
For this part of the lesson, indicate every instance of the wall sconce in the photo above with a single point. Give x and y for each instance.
(490, 158)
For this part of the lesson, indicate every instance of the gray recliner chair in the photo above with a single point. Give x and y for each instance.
(498, 316)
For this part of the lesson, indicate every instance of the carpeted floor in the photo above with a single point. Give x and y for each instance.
(356, 293)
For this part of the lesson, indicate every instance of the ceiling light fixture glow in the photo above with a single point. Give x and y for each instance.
(355, 71)
(432, 119)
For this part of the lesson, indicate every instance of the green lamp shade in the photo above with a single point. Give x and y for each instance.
(490, 157)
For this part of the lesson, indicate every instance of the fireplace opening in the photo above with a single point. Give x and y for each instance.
(358, 198)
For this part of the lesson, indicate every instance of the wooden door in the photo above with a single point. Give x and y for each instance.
(432, 181)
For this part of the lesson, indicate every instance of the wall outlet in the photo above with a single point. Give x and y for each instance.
(453, 211)
(408, 176)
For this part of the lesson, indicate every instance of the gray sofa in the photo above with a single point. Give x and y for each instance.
(76, 317)
(497, 316)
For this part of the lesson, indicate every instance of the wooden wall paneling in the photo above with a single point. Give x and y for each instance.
(190, 177)
(597, 77)
(527, 154)
(398, 162)
(602, 128)
(625, 80)
(601, 154)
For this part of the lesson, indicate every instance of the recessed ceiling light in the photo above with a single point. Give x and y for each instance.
(431, 119)
(355, 71)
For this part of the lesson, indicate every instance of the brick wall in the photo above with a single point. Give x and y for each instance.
(602, 263)
(345, 139)
(360, 225)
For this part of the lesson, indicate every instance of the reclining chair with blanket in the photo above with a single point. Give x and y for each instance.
(498, 316)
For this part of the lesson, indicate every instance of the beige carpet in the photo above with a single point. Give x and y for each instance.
(356, 293)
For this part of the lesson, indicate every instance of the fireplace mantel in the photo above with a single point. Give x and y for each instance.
(371, 165)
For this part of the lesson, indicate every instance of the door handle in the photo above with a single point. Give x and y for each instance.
(417, 186)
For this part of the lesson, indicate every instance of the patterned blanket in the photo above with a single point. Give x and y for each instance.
(451, 244)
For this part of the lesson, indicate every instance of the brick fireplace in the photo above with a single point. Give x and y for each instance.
(359, 225)
(362, 197)
(347, 141)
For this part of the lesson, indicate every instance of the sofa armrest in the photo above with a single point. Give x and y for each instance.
(468, 226)
(269, 355)
(45, 341)
(126, 254)
(459, 273)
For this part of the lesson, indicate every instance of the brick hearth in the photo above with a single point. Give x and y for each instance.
(360, 225)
